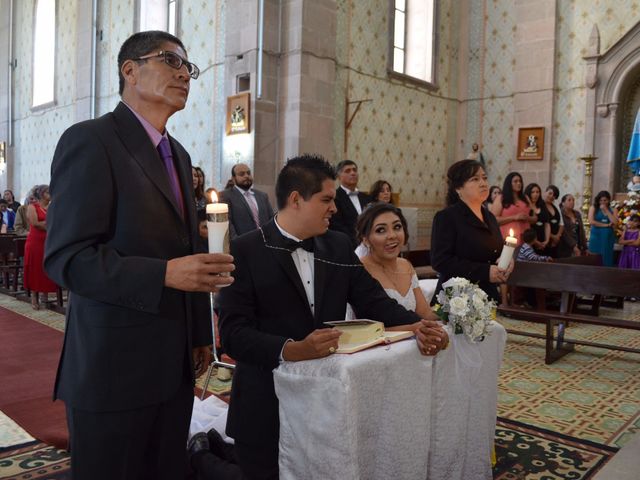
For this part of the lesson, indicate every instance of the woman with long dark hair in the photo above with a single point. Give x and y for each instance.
(198, 188)
(556, 223)
(603, 222)
(466, 239)
(512, 212)
(533, 193)
(381, 191)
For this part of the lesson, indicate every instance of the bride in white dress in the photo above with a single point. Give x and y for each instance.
(383, 230)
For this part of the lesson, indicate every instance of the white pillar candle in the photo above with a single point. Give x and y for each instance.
(218, 227)
(509, 247)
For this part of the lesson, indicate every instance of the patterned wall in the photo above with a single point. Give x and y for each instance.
(575, 22)
(498, 85)
(198, 127)
(36, 132)
(401, 135)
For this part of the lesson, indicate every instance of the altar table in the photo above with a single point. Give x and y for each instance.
(391, 413)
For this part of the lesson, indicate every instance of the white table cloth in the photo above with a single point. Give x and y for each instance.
(389, 412)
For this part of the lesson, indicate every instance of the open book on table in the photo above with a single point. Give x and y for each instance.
(362, 334)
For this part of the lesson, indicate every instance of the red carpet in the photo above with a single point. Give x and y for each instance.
(29, 353)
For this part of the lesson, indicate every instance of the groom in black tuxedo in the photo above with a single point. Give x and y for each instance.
(291, 276)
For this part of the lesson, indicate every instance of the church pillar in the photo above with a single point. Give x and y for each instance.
(292, 111)
(534, 84)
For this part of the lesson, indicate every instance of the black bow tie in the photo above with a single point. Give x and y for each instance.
(292, 245)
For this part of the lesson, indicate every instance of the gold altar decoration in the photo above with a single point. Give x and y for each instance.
(587, 190)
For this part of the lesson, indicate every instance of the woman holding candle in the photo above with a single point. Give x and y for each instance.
(466, 239)
(603, 221)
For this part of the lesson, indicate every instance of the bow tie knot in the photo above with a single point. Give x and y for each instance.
(353, 193)
(292, 245)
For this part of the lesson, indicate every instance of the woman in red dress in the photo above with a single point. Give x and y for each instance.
(35, 279)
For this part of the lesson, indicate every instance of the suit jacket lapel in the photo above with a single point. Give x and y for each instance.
(347, 201)
(186, 184)
(274, 238)
(138, 143)
(243, 200)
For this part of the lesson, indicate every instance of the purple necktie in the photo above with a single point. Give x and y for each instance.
(165, 152)
(254, 208)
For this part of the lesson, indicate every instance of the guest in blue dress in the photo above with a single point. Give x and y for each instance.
(603, 221)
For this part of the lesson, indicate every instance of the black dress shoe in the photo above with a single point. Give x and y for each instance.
(198, 443)
(221, 448)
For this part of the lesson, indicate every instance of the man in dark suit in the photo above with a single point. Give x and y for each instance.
(248, 208)
(121, 234)
(281, 296)
(349, 201)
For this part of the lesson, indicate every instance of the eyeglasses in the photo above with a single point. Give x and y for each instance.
(174, 61)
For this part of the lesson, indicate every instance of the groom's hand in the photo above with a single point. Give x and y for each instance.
(319, 343)
(431, 337)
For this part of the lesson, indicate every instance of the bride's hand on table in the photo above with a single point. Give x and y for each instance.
(430, 337)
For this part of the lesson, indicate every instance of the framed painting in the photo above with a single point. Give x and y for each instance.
(238, 114)
(531, 143)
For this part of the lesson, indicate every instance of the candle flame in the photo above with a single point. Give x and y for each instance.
(511, 232)
(214, 197)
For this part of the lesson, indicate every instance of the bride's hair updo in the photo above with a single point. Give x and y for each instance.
(457, 175)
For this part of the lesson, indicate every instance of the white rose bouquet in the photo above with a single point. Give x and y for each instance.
(467, 307)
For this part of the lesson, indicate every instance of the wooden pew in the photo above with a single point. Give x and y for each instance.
(571, 279)
(11, 262)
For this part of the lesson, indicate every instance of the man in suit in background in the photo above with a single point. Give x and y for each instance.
(349, 201)
(291, 277)
(248, 208)
(121, 237)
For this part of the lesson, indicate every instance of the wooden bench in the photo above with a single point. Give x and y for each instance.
(571, 279)
(11, 262)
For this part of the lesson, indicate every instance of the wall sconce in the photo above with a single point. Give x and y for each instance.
(3, 157)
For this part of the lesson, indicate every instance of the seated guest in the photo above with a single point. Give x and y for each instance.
(526, 251)
(573, 241)
(349, 201)
(556, 223)
(466, 240)
(8, 215)
(383, 230)
(381, 191)
(538, 217)
(290, 278)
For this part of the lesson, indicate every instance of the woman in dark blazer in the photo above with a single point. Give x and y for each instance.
(466, 240)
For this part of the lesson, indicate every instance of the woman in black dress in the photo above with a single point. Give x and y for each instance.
(466, 240)
(556, 223)
(539, 216)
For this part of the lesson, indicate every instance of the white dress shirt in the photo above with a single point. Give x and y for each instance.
(303, 261)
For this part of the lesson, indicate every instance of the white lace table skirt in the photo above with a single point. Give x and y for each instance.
(390, 413)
